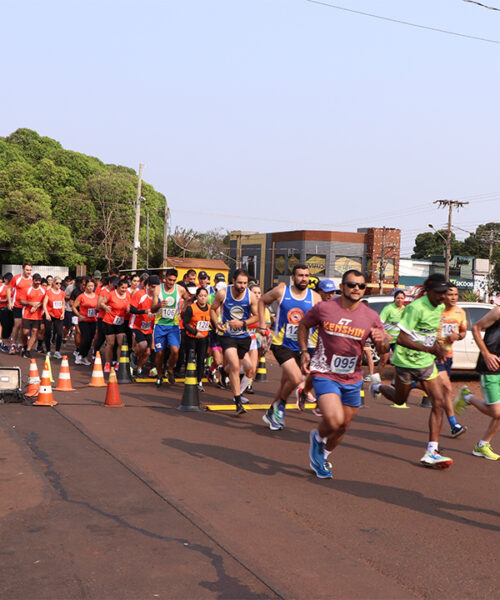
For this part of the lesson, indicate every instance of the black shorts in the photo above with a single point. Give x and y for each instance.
(242, 344)
(17, 312)
(68, 313)
(110, 329)
(32, 324)
(282, 353)
(7, 322)
(140, 336)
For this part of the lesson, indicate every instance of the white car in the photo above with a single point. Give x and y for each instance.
(465, 352)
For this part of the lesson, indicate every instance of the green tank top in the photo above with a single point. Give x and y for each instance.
(169, 315)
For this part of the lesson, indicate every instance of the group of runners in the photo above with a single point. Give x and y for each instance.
(319, 338)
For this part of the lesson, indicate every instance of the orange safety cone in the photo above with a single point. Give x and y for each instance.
(64, 381)
(97, 379)
(33, 380)
(113, 392)
(45, 397)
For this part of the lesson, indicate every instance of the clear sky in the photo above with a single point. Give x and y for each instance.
(270, 115)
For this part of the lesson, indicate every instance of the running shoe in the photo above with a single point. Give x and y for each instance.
(26, 353)
(57, 354)
(458, 430)
(460, 402)
(75, 353)
(249, 389)
(116, 365)
(316, 453)
(85, 361)
(200, 387)
(107, 368)
(373, 393)
(171, 377)
(244, 400)
(434, 460)
(301, 398)
(240, 410)
(317, 411)
(78, 361)
(485, 451)
(4, 348)
(268, 418)
(159, 381)
(279, 413)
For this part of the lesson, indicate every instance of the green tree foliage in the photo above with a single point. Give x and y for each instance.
(433, 244)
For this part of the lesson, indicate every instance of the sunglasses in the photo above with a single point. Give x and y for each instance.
(352, 284)
(57, 282)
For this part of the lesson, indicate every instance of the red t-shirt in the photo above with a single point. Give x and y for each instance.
(34, 295)
(342, 335)
(19, 285)
(142, 301)
(88, 307)
(103, 293)
(3, 295)
(55, 303)
(118, 312)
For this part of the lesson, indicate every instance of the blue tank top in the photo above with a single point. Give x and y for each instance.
(236, 309)
(289, 314)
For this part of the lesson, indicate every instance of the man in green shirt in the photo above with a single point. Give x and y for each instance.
(414, 359)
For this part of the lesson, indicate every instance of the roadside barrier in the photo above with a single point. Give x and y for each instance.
(113, 391)
(124, 375)
(190, 399)
(261, 370)
(33, 380)
(97, 378)
(45, 396)
(64, 381)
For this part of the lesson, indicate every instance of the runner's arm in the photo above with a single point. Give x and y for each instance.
(302, 337)
(492, 360)
(254, 310)
(267, 298)
(75, 306)
(44, 306)
(214, 307)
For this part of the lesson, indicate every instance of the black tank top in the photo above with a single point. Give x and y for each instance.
(492, 341)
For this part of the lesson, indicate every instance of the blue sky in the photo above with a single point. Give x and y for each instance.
(270, 115)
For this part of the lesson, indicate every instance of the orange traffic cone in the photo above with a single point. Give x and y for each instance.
(64, 381)
(45, 397)
(97, 379)
(33, 380)
(112, 393)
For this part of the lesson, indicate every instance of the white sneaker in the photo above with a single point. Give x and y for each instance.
(84, 361)
(57, 354)
(434, 460)
(78, 360)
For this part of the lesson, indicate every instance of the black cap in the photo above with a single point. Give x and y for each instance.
(219, 277)
(37, 277)
(202, 274)
(153, 280)
(436, 282)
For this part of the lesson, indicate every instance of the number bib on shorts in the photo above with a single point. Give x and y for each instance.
(343, 365)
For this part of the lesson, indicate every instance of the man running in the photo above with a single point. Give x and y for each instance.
(166, 331)
(142, 322)
(344, 324)
(415, 357)
(488, 366)
(17, 289)
(293, 302)
(390, 317)
(32, 313)
(239, 310)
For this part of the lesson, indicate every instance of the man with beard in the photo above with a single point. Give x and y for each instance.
(293, 302)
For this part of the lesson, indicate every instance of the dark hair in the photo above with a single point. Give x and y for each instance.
(135, 275)
(170, 272)
(27, 264)
(253, 284)
(397, 292)
(122, 281)
(354, 272)
(44, 280)
(299, 266)
(199, 290)
(239, 272)
(190, 272)
(114, 281)
(452, 285)
(7, 277)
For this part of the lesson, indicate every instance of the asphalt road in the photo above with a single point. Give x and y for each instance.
(147, 501)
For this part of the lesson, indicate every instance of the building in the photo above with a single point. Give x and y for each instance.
(211, 266)
(270, 257)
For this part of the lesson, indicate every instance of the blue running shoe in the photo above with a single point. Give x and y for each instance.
(279, 410)
(268, 418)
(316, 452)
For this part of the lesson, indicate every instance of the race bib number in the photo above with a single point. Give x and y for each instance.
(448, 328)
(203, 325)
(343, 365)
(57, 304)
(146, 325)
(118, 321)
(291, 331)
(429, 340)
(167, 313)
(74, 320)
(91, 312)
(235, 331)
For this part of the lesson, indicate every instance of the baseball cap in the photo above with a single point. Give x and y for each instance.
(203, 274)
(191, 289)
(37, 277)
(97, 274)
(436, 282)
(219, 277)
(153, 280)
(220, 285)
(327, 285)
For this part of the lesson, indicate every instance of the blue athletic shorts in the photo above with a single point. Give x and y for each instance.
(166, 335)
(445, 366)
(350, 395)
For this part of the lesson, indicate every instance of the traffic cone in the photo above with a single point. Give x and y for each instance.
(113, 392)
(47, 358)
(97, 379)
(33, 380)
(363, 404)
(45, 397)
(64, 381)
(190, 400)
(426, 402)
(261, 370)
(123, 375)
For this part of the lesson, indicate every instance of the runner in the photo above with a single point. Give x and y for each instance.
(196, 320)
(32, 313)
(142, 322)
(204, 281)
(344, 324)
(390, 317)
(6, 317)
(293, 302)
(414, 359)
(238, 310)
(79, 288)
(166, 330)
(54, 308)
(17, 289)
(116, 306)
(216, 373)
(488, 366)
(85, 308)
(104, 291)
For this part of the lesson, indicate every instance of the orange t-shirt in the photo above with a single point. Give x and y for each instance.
(453, 320)
(88, 307)
(142, 322)
(34, 295)
(55, 303)
(103, 293)
(3, 295)
(118, 312)
(19, 286)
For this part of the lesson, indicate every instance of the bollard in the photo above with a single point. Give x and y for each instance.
(426, 403)
(190, 400)
(261, 370)
(123, 375)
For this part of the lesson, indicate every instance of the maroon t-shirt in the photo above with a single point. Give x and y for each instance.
(342, 335)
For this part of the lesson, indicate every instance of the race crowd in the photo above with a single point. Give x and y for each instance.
(318, 336)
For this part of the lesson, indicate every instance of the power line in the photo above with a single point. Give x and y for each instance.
(482, 5)
(399, 22)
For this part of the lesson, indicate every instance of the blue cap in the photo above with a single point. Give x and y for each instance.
(327, 285)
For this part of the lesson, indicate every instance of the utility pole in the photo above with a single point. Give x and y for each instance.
(165, 235)
(492, 239)
(137, 244)
(451, 204)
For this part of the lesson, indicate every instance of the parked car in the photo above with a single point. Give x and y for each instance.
(465, 352)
